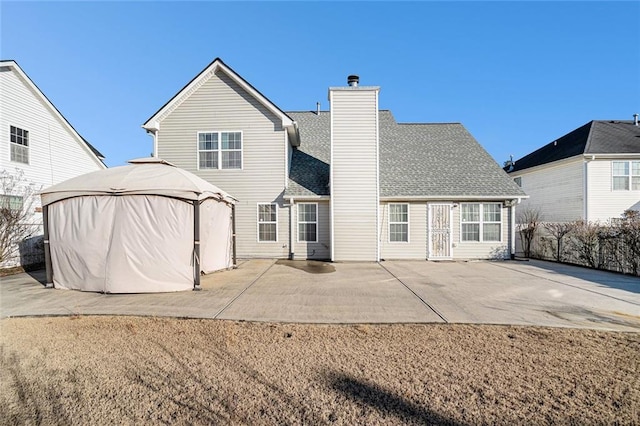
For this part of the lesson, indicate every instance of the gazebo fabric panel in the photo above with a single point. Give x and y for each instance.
(215, 236)
(122, 244)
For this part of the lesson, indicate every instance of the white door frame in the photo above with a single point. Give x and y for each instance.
(429, 215)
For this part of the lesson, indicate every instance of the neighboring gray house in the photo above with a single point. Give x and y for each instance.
(349, 184)
(591, 173)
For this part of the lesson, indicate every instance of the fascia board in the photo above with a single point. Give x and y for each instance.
(153, 123)
(36, 90)
(453, 197)
(550, 165)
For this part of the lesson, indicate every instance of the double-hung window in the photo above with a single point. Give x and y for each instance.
(625, 175)
(399, 223)
(219, 150)
(268, 222)
(19, 143)
(481, 222)
(308, 222)
(11, 202)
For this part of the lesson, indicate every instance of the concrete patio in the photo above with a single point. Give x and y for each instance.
(483, 292)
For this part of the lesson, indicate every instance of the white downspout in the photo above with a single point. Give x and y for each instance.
(154, 135)
(291, 229)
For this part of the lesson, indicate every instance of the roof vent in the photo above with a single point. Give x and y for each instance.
(635, 119)
(353, 80)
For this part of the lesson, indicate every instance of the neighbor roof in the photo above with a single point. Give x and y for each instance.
(11, 64)
(595, 137)
(416, 160)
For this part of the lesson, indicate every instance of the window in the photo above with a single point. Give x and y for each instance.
(267, 222)
(19, 142)
(399, 223)
(219, 150)
(11, 202)
(481, 222)
(518, 181)
(308, 222)
(625, 175)
(208, 150)
(231, 150)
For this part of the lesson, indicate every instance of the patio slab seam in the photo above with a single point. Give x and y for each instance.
(225, 307)
(424, 302)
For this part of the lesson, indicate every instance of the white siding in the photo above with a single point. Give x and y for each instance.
(55, 153)
(417, 246)
(354, 174)
(314, 250)
(555, 190)
(476, 250)
(603, 203)
(222, 105)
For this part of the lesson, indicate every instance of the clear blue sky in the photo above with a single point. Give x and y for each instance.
(517, 75)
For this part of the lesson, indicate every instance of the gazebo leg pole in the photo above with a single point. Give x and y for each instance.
(196, 245)
(233, 233)
(47, 248)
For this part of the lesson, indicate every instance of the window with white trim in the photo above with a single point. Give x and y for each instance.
(399, 223)
(219, 150)
(19, 143)
(625, 175)
(268, 222)
(308, 222)
(481, 222)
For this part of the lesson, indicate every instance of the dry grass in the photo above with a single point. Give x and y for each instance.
(103, 370)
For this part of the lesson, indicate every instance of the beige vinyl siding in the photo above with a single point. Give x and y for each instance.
(603, 202)
(314, 250)
(476, 250)
(354, 174)
(220, 104)
(416, 248)
(556, 190)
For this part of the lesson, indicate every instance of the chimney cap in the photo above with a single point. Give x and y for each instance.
(353, 80)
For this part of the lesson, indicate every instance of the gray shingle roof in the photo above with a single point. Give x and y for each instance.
(309, 173)
(416, 160)
(595, 137)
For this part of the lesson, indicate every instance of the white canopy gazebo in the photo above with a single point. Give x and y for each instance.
(141, 228)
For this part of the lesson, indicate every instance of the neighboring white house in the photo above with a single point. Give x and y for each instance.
(36, 140)
(349, 184)
(591, 173)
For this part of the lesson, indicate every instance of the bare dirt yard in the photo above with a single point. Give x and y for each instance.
(126, 370)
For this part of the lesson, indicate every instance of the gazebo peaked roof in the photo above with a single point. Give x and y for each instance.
(143, 176)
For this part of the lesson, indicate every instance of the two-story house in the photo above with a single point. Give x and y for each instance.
(591, 173)
(349, 184)
(38, 143)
